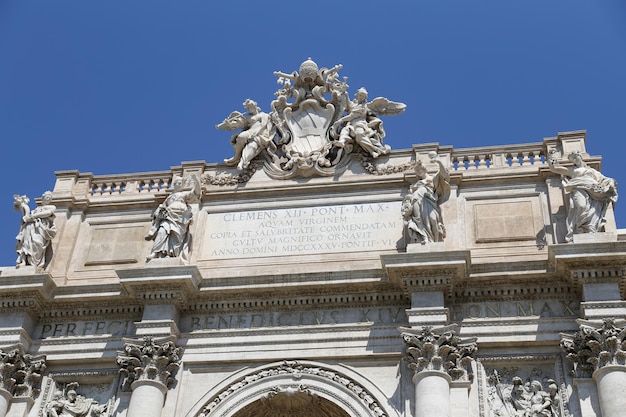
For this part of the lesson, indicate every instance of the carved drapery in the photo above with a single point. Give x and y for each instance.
(595, 345)
(67, 402)
(440, 349)
(20, 374)
(149, 361)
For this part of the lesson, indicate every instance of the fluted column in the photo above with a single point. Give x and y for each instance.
(437, 357)
(20, 380)
(596, 352)
(148, 367)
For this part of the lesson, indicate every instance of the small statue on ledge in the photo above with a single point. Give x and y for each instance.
(37, 229)
(590, 194)
(170, 221)
(421, 207)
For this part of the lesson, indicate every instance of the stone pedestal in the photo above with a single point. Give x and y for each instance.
(432, 394)
(611, 383)
(147, 399)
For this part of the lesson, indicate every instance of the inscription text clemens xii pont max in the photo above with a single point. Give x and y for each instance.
(309, 230)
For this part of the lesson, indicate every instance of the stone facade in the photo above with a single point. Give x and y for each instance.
(303, 294)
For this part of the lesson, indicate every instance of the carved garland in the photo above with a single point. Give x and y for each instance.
(296, 370)
(384, 169)
(230, 179)
(224, 179)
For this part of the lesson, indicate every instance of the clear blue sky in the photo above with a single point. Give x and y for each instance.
(126, 86)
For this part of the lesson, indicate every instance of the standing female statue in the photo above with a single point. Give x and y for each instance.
(36, 231)
(170, 221)
(590, 194)
(421, 207)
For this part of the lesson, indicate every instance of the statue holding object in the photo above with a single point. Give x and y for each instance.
(421, 208)
(37, 229)
(589, 195)
(170, 221)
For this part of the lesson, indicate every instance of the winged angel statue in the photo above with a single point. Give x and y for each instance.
(313, 126)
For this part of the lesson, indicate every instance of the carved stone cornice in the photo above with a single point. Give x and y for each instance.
(149, 359)
(427, 271)
(589, 263)
(161, 285)
(439, 349)
(595, 345)
(25, 289)
(21, 373)
(366, 297)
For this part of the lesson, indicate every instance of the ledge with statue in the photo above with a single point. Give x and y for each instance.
(495, 202)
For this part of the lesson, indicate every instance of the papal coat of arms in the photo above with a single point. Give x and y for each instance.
(313, 126)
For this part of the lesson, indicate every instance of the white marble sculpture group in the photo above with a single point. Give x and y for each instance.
(313, 125)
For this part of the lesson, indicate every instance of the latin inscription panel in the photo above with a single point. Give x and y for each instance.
(269, 319)
(520, 308)
(307, 230)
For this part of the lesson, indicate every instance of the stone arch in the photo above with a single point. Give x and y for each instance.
(338, 391)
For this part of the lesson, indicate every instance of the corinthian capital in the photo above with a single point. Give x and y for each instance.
(20, 374)
(595, 345)
(149, 359)
(439, 349)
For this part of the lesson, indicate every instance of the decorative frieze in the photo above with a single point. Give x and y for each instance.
(149, 360)
(439, 349)
(595, 345)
